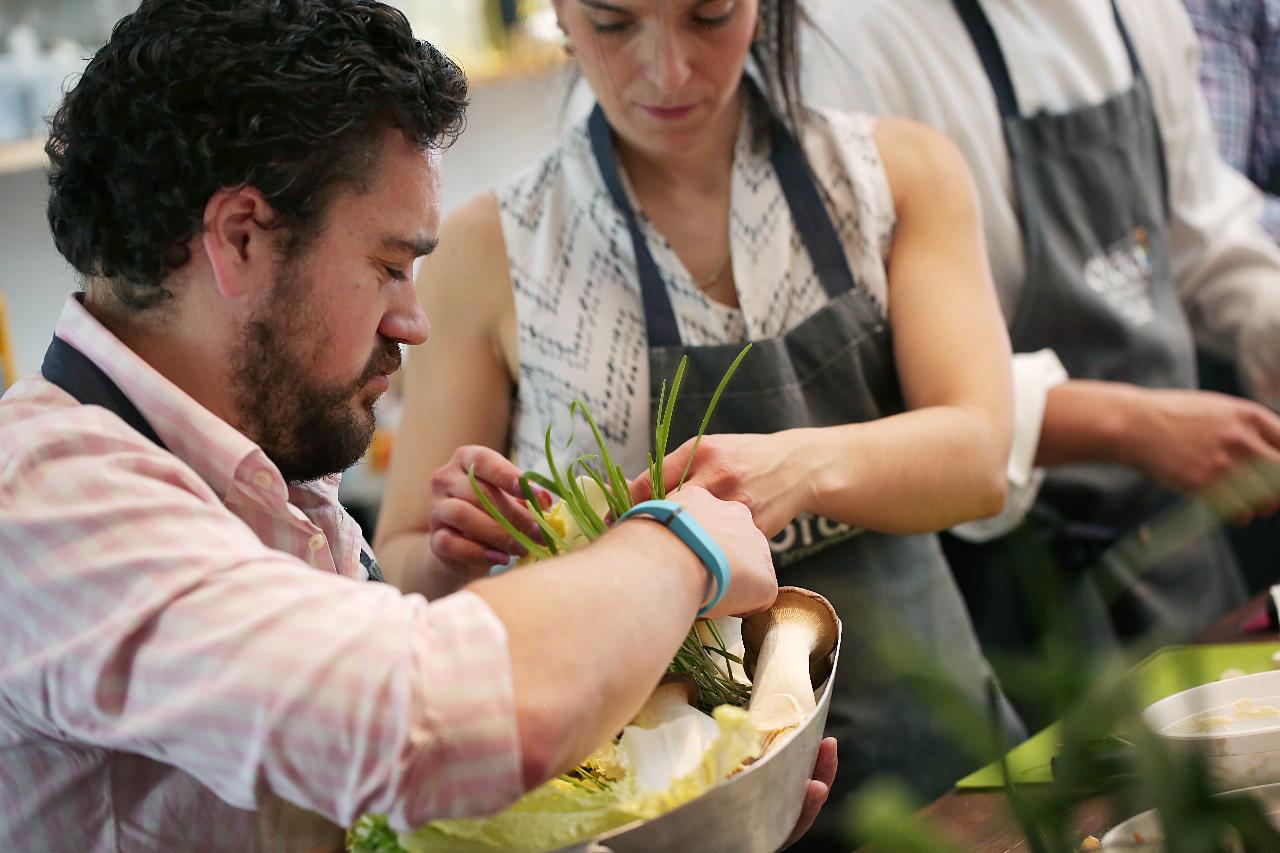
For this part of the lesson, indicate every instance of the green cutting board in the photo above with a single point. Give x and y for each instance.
(1166, 672)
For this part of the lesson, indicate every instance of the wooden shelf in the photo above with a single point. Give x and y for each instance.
(22, 155)
(526, 59)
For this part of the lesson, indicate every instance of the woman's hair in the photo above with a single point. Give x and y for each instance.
(189, 97)
(777, 55)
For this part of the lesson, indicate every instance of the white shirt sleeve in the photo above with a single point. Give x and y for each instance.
(1034, 374)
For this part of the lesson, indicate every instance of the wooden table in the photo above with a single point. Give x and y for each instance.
(980, 821)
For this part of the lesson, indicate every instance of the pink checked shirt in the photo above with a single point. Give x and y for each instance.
(184, 638)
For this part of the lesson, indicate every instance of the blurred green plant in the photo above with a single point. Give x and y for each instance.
(1104, 750)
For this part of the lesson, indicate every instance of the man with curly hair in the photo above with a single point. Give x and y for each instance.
(193, 658)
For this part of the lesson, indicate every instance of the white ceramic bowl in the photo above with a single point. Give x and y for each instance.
(1147, 825)
(1236, 758)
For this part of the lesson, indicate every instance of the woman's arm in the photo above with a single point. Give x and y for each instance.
(944, 460)
(457, 403)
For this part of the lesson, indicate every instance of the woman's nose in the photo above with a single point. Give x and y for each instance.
(668, 62)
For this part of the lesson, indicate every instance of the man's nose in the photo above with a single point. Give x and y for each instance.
(405, 322)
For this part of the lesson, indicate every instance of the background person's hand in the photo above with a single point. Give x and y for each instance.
(1223, 449)
(753, 585)
(815, 795)
(764, 472)
(463, 536)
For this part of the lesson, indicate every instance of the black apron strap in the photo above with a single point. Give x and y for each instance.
(988, 47)
(371, 566)
(1128, 41)
(993, 61)
(73, 372)
(659, 316)
(808, 211)
(1272, 186)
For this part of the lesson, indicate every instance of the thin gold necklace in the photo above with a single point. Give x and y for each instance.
(714, 279)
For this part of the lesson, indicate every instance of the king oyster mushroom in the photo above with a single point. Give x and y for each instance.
(786, 646)
(672, 699)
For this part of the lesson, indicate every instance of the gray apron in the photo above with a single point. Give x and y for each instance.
(836, 367)
(1091, 192)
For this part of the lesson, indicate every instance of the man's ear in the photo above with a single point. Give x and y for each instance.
(238, 242)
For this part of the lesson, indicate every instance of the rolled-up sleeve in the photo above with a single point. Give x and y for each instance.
(141, 616)
(1034, 375)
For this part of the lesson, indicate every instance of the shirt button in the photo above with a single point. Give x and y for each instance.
(262, 480)
(316, 542)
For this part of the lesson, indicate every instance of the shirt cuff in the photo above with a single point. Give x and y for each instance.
(1034, 375)
(1260, 348)
(464, 756)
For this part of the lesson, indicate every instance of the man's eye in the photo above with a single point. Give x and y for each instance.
(397, 274)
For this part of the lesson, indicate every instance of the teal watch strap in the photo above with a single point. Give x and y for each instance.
(683, 525)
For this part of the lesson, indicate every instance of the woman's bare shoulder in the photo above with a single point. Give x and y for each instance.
(918, 159)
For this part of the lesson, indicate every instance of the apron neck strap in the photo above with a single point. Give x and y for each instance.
(1272, 187)
(812, 222)
(75, 373)
(659, 316)
(993, 60)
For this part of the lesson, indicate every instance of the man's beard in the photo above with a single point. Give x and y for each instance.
(308, 429)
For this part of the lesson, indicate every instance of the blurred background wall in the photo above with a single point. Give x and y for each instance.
(510, 51)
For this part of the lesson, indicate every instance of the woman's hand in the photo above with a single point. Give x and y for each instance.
(767, 473)
(464, 536)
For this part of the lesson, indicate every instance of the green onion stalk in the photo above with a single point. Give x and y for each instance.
(697, 659)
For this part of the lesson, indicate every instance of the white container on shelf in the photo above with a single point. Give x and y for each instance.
(14, 95)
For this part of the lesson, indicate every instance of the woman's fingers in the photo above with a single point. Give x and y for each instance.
(455, 549)
(475, 524)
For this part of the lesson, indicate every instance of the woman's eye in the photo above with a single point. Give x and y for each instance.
(616, 25)
(715, 14)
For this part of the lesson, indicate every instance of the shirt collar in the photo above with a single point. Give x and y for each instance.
(214, 449)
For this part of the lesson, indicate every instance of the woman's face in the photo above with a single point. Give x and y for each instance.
(665, 71)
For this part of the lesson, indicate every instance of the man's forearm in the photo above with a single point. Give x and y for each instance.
(620, 610)
(1089, 421)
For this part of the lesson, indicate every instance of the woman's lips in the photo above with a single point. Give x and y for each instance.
(668, 113)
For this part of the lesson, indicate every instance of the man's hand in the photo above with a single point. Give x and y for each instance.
(463, 536)
(753, 585)
(815, 795)
(764, 472)
(1223, 449)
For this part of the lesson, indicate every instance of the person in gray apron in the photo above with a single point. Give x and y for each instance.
(873, 580)
(1092, 195)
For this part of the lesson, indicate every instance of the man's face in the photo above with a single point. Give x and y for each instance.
(317, 355)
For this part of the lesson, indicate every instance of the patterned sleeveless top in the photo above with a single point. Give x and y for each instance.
(581, 332)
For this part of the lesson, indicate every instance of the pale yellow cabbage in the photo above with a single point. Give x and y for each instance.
(657, 775)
